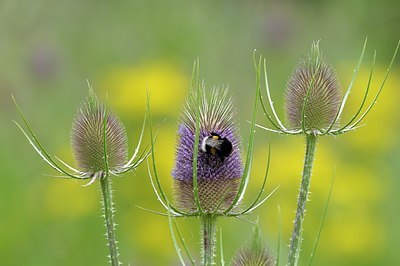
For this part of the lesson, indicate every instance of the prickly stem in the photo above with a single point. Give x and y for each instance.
(208, 239)
(109, 219)
(295, 242)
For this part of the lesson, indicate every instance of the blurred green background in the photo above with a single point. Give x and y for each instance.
(49, 48)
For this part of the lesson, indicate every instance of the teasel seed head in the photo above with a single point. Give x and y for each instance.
(219, 164)
(87, 137)
(255, 254)
(313, 89)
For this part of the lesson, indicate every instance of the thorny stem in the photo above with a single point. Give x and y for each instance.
(295, 242)
(108, 209)
(208, 239)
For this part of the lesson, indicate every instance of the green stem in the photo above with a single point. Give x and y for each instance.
(208, 239)
(109, 219)
(295, 243)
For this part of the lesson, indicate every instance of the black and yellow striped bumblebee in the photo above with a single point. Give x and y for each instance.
(216, 145)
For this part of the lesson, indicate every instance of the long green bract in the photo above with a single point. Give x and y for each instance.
(39, 148)
(249, 157)
(342, 104)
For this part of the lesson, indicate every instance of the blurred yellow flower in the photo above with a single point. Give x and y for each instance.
(166, 83)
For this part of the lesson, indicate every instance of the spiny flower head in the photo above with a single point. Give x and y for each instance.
(313, 101)
(219, 165)
(98, 140)
(87, 138)
(254, 254)
(313, 89)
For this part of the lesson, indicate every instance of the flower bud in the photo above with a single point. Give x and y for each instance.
(313, 89)
(87, 137)
(254, 254)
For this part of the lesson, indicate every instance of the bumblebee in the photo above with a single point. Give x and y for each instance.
(215, 145)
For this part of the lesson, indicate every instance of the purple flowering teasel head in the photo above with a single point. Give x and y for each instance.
(209, 179)
(219, 162)
(208, 139)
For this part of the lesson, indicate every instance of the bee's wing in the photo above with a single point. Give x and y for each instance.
(214, 143)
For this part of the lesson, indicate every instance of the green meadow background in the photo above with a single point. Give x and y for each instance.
(48, 49)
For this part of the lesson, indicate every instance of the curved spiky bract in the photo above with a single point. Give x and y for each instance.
(314, 89)
(87, 138)
(217, 177)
